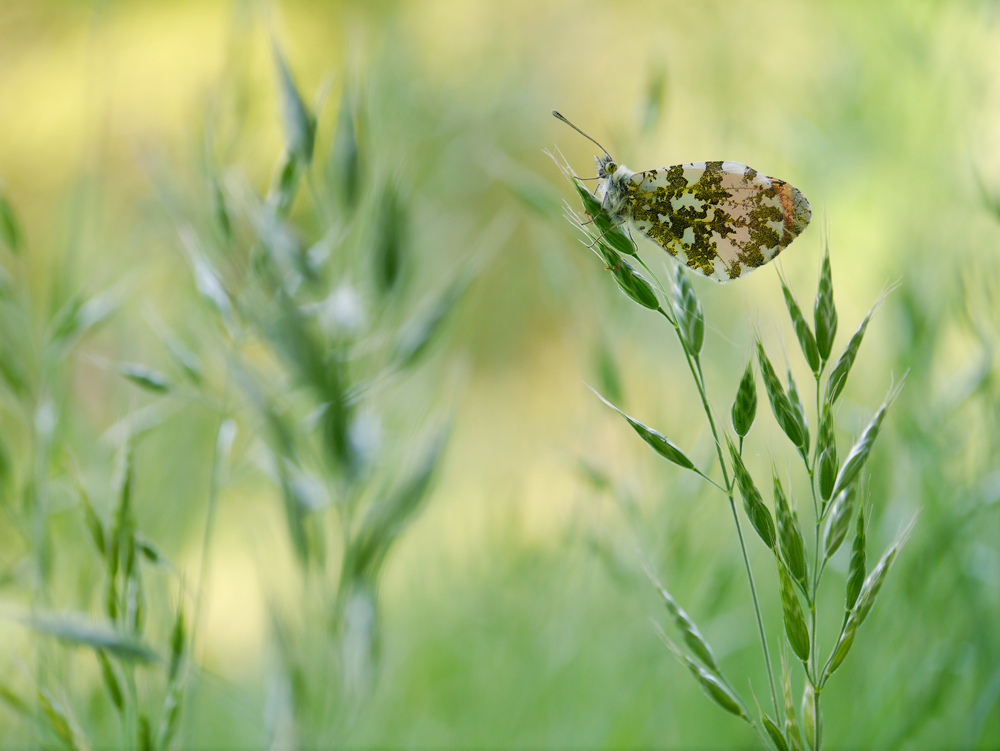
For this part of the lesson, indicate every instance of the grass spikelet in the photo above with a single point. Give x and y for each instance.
(77, 630)
(207, 280)
(170, 719)
(802, 332)
(873, 583)
(300, 124)
(344, 163)
(220, 211)
(745, 404)
(773, 732)
(838, 521)
(687, 312)
(781, 407)
(656, 440)
(753, 503)
(791, 720)
(838, 375)
(795, 623)
(692, 636)
(178, 642)
(824, 310)
(789, 535)
(631, 282)
(771, 728)
(856, 569)
(425, 327)
(710, 683)
(798, 410)
(388, 256)
(613, 236)
(858, 455)
(92, 521)
(865, 600)
(812, 724)
(110, 680)
(60, 722)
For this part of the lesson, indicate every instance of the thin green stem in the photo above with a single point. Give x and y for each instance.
(694, 364)
(815, 678)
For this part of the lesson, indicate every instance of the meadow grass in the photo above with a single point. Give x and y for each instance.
(834, 483)
(245, 502)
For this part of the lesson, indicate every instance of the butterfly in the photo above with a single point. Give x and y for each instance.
(723, 219)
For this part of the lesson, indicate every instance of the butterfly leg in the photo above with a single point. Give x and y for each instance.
(601, 237)
(628, 231)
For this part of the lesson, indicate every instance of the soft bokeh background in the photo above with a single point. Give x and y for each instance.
(514, 612)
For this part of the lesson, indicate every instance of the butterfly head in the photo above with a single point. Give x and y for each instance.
(606, 166)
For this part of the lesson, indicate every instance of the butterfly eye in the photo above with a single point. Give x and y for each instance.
(610, 168)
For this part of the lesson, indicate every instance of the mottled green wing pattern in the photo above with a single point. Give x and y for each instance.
(723, 219)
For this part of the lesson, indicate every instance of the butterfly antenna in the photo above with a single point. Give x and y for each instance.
(559, 116)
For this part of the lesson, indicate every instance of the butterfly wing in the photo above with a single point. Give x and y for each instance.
(723, 219)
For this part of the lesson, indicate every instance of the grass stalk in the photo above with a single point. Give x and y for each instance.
(694, 363)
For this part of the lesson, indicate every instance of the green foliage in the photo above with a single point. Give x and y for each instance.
(372, 218)
(828, 479)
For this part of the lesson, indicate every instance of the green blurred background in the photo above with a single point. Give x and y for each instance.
(513, 610)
